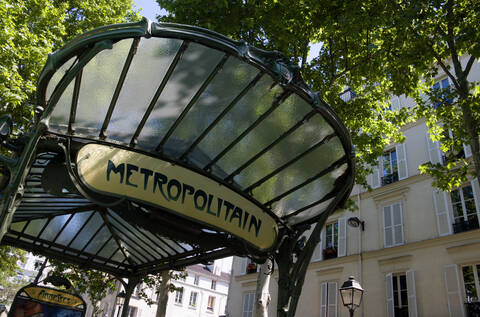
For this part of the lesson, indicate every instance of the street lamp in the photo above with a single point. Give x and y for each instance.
(119, 301)
(352, 294)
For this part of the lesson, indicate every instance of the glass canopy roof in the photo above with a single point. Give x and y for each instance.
(228, 112)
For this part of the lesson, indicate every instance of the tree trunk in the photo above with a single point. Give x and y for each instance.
(291, 275)
(262, 294)
(163, 294)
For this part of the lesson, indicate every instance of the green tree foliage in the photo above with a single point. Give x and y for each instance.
(10, 258)
(93, 283)
(33, 28)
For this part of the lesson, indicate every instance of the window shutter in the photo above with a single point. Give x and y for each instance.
(376, 175)
(323, 304)
(467, 150)
(452, 283)
(441, 210)
(412, 294)
(476, 196)
(243, 265)
(402, 161)
(342, 237)
(389, 284)
(332, 299)
(434, 151)
(317, 253)
(387, 226)
(397, 221)
(395, 102)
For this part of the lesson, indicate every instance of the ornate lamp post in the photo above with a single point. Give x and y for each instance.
(119, 301)
(352, 293)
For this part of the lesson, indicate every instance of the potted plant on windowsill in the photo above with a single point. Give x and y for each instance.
(251, 268)
(329, 253)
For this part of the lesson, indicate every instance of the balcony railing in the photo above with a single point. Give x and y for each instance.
(465, 225)
(473, 309)
(390, 178)
(329, 253)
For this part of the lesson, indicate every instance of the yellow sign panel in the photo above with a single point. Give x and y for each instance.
(125, 173)
(53, 296)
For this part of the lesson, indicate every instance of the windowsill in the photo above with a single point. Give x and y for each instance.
(208, 311)
(178, 304)
(192, 307)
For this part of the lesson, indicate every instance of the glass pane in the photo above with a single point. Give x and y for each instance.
(132, 247)
(108, 250)
(18, 226)
(142, 247)
(57, 76)
(54, 227)
(301, 170)
(298, 142)
(224, 88)
(72, 228)
(455, 194)
(148, 68)
(61, 114)
(308, 194)
(119, 257)
(469, 281)
(99, 79)
(92, 226)
(98, 241)
(196, 64)
(241, 116)
(310, 212)
(290, 112)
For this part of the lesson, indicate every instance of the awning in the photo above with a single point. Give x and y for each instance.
(162, 145)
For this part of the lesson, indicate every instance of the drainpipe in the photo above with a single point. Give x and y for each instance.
(360, 258)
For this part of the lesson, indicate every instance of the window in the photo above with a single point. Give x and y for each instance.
(401, 296)
(247, 266)
(132, 311)
(471, 284)
(331, 241)
(392, 167)
(211, 303)
(464, 209)
(389, 168)
(436, 155)
(179, 296)
(328, 305)
(442, 87)
(214, 285)
(196, 280)
(248, 299)
(193, 299)
(392, 225)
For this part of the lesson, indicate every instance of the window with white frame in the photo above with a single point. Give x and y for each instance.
(442, 87)
(435, 153)
(464, 209)
(401, 294)
(393, 225)
(193, 299)
(179, 296)
(247, 266)
(247, 307)
(196, 279)
(392, 167)
(471, 284)
(459, 210)
(328, 304)
(334, 239)
(214, 285)
(211, 303)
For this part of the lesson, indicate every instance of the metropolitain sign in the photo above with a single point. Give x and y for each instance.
(182, 191)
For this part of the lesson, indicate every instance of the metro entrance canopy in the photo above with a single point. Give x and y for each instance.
(157, 146)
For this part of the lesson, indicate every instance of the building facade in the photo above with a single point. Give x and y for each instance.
(419, 252)
(204, 294)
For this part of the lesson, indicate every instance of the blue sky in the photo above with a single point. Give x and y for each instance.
(148, 8)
